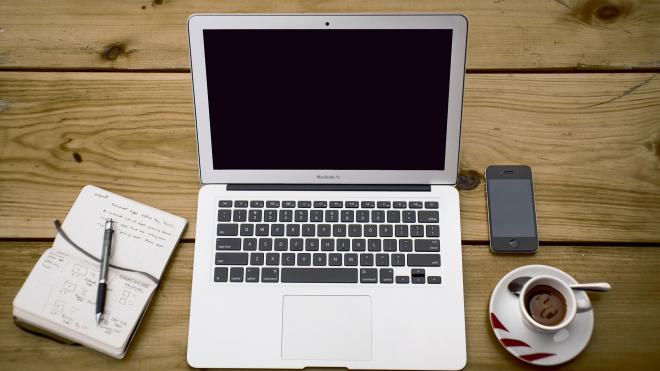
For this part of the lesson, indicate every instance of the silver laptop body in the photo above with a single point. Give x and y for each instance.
(328, 225)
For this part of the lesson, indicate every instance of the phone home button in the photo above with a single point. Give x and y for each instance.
(514, 243)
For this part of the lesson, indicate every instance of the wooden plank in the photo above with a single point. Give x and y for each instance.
(593, 141)
(572, 34)
(625, 332)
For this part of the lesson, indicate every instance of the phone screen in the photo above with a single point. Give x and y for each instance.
(511, 208)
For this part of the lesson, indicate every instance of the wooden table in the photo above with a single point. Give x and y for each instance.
(99, 93)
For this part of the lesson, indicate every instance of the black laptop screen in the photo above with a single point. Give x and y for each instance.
(328, 99)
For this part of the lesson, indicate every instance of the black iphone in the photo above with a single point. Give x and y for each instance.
(511, 211)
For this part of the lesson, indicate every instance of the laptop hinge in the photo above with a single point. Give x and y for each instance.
(331, 187)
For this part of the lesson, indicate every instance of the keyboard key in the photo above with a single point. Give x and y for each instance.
(240, 215)
(368, 275)
(312, 244)
(393, 216)
(304, 204)
(366, 260)
(408, 216)
(384, 204)
(405, 245)
(415, 204)
(339, 230)
(434, 280)
(417, 272)
(265, 244)
(354, 230)
(362, 216)
(288, 259)
(242, 203)
(247, 229)
(308, 230)
(398, 260)
(301, 215)
(350, 259)
(228, 244)
(431, 205)
(272, 204)
(227, 229)
(334, 259)
(289, 204)
(367, 204)
(336, 204)
(428, 216)
(262, 230)
(323, 230)
(225, 203)
(286, 215)
(399, 204)
(432, 231)
(236, 273)
(385, 230)
(417, 280)
(252, 274)
(224, 215)
(389, 245)
(373, 244)
(417, 230)
(256, 204)
(293, 230)
(221, 273)
(316, 216)
(386, 275)
(257, 258)
(270, 215)
(359, 244)
(304, 259)
(319, 259)
(427, 245)
(327, 244)
(370, 230)
(343, 244)
(401, 230)
(296, 244)
(320, 275)
(272, 258)
(347, 216)
(249, 244)
(423, 260)
(402, 279)
(320, 204)
(331, 216)
(277, 230)
(281, 244)
(270, 274)
(382, 260)
(378, 216)
(352, 204)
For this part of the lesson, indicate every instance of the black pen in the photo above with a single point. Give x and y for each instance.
(103, 274)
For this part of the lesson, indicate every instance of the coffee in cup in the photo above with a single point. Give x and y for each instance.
(546, 305)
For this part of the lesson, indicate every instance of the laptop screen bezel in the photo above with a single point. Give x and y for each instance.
(208, 175)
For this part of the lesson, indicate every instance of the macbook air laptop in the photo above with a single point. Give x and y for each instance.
(328, 231)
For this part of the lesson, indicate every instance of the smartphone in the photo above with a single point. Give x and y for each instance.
(511, 210)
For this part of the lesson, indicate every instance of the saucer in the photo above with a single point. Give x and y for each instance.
(527, 344)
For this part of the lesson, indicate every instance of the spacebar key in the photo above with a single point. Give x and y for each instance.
(320, 275)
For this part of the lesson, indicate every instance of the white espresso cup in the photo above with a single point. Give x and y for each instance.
(573, 305)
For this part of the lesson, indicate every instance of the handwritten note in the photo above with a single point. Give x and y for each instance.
(62, 289)
(144, 236)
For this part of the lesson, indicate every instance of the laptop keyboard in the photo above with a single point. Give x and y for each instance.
(367, 242)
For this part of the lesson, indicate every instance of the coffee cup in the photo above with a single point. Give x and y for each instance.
(549, 304)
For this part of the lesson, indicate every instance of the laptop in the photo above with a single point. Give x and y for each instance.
(328, 230)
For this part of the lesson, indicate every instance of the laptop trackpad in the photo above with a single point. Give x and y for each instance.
(326, 328)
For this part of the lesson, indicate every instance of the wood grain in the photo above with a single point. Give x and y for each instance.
(593, 141)
(569, 34)
(625, 332)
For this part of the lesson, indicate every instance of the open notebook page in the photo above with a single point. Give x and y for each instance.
(144, 237)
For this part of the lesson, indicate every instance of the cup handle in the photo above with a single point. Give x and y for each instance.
(582, 305)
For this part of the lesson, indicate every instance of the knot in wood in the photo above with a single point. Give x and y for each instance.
(113, 51)
(468, 180)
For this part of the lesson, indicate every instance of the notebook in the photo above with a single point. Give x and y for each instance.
(58, 298)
